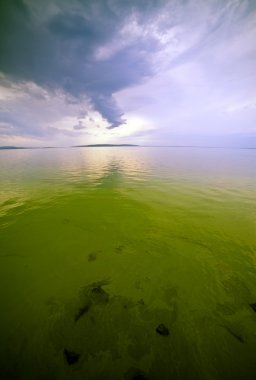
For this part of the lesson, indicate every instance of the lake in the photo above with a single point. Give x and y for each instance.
(128, 263)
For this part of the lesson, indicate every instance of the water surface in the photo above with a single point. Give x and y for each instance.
(98, 246)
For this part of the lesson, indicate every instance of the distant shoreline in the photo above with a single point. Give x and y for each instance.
(122, 146)
(101, 145)
(72, 146)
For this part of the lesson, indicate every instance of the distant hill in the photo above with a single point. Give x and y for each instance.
(12, 147)
(75, 146)
(102, 145)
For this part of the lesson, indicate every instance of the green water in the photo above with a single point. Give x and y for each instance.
(99, 246)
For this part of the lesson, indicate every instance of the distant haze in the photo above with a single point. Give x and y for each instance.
(148, 72)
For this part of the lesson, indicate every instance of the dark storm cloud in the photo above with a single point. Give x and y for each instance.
(57, 49)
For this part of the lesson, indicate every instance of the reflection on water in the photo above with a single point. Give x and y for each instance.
(210, 174)
(217, 167)
(101, 246)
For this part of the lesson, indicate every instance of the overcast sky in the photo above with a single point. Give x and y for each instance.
(158, 72)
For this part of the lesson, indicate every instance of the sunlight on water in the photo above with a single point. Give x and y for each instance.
(128, 263)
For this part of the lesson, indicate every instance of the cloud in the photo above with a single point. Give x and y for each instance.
(57, 50)
(79, 126)
(6, 128)
(174, 63)
(29, 110)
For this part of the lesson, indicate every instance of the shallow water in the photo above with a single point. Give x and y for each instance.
(98, 246)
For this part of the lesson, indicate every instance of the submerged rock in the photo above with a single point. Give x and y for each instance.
(92, 256)
(135, 374)
(92, 295)
(71, 357)
(119, 248)
(253, 306)
(98, 295)
(162, 330)
(141, 302)
(83, 310)
(232, 332)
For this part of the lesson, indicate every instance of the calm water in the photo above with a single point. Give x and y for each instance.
(100, 246)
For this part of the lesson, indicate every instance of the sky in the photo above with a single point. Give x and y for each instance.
(148, 72)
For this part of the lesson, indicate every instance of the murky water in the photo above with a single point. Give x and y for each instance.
(100, 246)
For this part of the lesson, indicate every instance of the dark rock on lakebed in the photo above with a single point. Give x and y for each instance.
(83, 310)
(92, 256)
(162, 330)
(135, 374)
(71, 357)
(253, 306)
(93, 295)
(98, 295)
(234, 333)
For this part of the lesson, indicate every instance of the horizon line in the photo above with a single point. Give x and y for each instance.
(14, 147)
